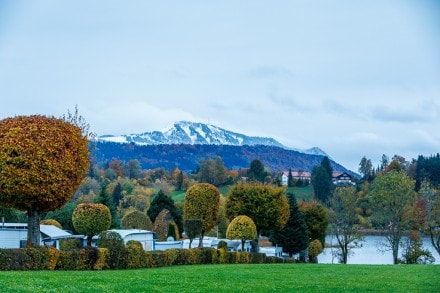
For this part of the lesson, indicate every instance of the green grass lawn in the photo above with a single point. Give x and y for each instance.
(301, 193)
(232, 278)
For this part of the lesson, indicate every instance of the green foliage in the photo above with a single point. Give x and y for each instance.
(202, 202)
(266, 205)
(42, 162)
(317, 219)
(256, 171)
(70, 243)
(91, 219)
(162, 201)
(393, 198)
(243, 228)
(345, 220)
(51, 222)
(315, 248)
(106, 199)
(431, 197)
(64, 215)
(294, 236)
(136, 220)
(322, 184)
(172, 231)
(212, 171)
(111, 240)
(222, 245)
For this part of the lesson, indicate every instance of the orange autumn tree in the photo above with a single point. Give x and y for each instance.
(42, 162)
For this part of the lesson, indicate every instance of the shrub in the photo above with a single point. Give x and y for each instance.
(171, 256)
(134, 254)
(315, 248)
(70, 243)
(222, 245)
(51, 222)
(117, 250)
(136, 220)
(102, 259)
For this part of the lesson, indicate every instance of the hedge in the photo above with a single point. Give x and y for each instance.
(133, 257)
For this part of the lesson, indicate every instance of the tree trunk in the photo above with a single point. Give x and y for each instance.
(201, 239)
(435, 244)
(89, 240)
(190, 242)
(33, 232)
(242, 245)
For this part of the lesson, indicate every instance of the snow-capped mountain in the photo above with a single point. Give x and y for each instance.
(185, 132)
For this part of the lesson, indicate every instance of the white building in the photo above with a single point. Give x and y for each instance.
(14, 235)
(145, 237)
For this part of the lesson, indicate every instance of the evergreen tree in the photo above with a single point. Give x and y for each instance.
(290, 181)
(117, 193)
(322, 181)
(294, 237)
(256, 171)
(161, 202)
(107, 200)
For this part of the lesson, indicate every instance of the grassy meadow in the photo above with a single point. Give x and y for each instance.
(231, 278)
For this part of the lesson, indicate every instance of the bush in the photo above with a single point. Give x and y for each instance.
(70, 243)
(134, 254)
(102, 259)
(118, 255)
(222, 244)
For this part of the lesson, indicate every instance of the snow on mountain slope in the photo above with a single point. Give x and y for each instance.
(185, 132)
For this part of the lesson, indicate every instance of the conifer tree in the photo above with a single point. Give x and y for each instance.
(294, 237)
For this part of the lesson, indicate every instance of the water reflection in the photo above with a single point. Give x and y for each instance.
(369, 253)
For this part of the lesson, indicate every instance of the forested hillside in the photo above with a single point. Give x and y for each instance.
(187, 157)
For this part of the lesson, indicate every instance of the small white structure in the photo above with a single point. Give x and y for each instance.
(272, 250)
(14, 235)
(145, 237)
(169, 244)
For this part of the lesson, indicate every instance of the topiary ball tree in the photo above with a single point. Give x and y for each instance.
(243, 228)
(91, 219)
(136, 220)
(202, 202)
(43, 161)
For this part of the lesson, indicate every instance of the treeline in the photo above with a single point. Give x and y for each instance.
(188, 157)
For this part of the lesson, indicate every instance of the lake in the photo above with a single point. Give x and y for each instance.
(369, 253)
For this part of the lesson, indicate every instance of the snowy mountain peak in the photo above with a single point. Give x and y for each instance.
(185, 132)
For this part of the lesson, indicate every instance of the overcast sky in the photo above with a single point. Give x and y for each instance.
(355, 78)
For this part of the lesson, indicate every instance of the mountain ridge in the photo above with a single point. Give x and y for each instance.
(192, 133)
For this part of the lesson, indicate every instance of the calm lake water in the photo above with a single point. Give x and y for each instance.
(369, 253)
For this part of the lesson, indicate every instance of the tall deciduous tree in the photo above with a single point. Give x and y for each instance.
(294, 236)
(366, 169)
(212, 171)
(432, 200)
(393, 197)
(266, 205)
(42, 162)
(91, 219)
(243, 228)
(202, 202)
(317, 219)
(344, 220)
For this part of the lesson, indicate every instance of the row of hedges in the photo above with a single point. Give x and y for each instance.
(127, 257)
